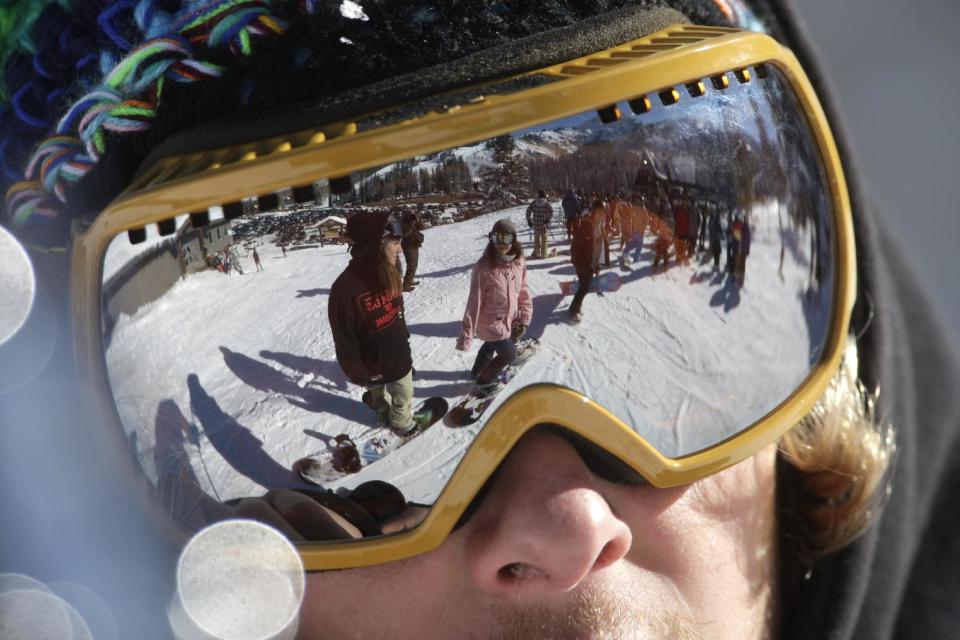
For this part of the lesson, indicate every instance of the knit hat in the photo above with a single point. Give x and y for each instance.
(367, 230)
(503, 225)
(92, 94)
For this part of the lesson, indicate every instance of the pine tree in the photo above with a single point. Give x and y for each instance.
(509, 181)
(426, 181)
(503, 147)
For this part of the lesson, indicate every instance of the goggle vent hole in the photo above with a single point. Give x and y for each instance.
(640, 105)
(304, 194)
(669, 97)
(696, 89)
(720, 82)
(269, 202)
(341, 185)
(233, 210)
(199, 219)
(137, 236)
(609, 115)
(167, 227)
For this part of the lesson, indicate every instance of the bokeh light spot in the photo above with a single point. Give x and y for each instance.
(238, 580)
(17, 285)
(32, 610)
(35, 615)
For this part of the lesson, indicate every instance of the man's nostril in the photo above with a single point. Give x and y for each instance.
(512, 571)
(519, 571)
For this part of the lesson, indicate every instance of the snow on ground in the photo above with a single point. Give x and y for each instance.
(244, 368)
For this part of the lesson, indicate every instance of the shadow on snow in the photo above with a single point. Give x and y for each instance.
(436, 329)
(265, 378)
(311, 293)
(331, 371)
(235, 442)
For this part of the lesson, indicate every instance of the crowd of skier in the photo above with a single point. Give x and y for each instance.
(680, 225)
(366, 307)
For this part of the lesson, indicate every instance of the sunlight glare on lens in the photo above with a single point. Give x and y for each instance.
(97, 616)
(31, 610)
(20, 582)
(31, 614)
(17, 285)
(238, 580)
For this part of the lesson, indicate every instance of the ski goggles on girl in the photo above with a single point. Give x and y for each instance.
(501, 237)
(728, 232)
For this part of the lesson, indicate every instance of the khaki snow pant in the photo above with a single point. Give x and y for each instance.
(540, 243)
(394, 401)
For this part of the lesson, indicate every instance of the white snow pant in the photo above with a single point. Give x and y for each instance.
(396, 400)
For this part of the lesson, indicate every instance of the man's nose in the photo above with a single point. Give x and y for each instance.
(544, 526)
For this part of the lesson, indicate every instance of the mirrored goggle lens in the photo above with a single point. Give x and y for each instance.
(706, 225)
(501, 237)
(393, 228)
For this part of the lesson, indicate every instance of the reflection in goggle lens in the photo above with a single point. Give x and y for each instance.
(393, 228)
(501, 237)
(712, 228)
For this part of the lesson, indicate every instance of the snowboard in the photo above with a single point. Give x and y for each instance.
(348, 456)
(604, 283)
(469, 409)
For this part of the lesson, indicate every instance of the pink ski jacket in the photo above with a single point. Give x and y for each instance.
(498, 297)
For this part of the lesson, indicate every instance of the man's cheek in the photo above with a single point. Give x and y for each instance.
(660, 521)
(407, 595)
(741, 492)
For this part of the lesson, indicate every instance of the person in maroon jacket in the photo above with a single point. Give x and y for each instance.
(366, 319)
(585, 255)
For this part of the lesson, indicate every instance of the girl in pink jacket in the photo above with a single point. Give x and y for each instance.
(499, 307)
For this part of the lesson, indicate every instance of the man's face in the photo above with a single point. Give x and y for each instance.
(556, 552)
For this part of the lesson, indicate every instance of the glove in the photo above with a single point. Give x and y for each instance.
(373, 381)
(517, 331)
(463, 344)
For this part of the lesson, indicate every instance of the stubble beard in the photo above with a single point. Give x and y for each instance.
(594, 613)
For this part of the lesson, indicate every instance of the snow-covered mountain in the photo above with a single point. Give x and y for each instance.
(479, 157)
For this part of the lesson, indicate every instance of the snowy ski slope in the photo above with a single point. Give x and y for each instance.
(243, 367)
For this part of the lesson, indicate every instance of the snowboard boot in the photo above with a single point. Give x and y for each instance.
(383, 412)
(420, 420)
(488, 389)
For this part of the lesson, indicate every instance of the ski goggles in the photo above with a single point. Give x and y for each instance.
(501, 237)
(392, 228)
(706, 347)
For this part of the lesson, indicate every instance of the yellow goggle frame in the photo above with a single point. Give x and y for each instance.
(681, 55)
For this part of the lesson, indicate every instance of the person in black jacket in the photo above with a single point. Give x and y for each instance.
(366, 319)
(412, 228)
(572, 205)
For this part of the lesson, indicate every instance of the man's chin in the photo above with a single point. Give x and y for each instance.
(594, 612)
